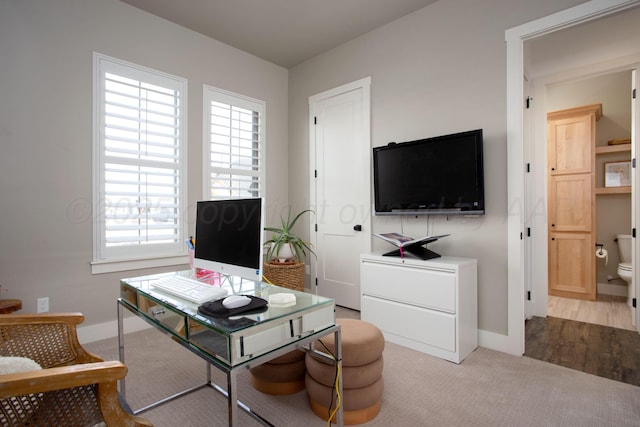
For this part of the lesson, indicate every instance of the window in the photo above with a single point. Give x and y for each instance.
(234, 151)
(139, 163)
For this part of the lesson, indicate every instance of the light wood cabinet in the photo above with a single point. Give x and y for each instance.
(568, 151)
(569, 253)
(571, 141)
(570, 203)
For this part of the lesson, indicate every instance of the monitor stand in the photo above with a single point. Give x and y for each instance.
(417, 250)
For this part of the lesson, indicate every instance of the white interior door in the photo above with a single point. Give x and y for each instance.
(340, 193)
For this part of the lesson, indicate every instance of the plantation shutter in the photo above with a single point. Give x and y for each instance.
(234, 127)
(142, 180)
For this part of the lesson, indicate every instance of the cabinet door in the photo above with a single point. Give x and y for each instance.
(570, 203)
(570, 144)
(571, 272)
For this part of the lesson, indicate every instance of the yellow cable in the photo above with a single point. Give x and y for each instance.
(337, 383)
(338, 398)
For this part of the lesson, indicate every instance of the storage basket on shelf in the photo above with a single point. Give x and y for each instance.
(285, 274)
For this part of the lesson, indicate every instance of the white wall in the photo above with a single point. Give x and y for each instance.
(46, 135)
(439, 70)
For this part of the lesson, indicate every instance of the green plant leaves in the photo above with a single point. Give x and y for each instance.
(284, 235)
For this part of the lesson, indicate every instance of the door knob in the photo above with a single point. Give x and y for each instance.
(357, 227)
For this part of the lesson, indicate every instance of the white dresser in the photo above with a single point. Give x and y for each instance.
(429, 306)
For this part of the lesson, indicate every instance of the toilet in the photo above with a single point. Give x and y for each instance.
(625, 270)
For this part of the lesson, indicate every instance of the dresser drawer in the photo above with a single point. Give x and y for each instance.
(414, 323)
(429, 288)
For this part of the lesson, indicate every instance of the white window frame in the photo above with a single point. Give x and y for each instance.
(210, 94)
(108, 258)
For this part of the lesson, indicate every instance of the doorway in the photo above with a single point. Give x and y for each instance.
(611, 201)
(523, 205)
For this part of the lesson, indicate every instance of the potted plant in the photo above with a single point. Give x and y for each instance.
(286, 254)
(284, 244)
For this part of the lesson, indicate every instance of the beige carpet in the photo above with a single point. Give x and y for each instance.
(488, 389)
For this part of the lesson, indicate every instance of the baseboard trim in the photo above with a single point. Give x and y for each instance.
(498, 342)
(612, 289)
(106, 330)
(101, 331)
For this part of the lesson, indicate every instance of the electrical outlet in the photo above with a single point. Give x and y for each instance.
(43, 305)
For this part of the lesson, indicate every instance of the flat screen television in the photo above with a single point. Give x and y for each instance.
(442, 175)
(230, 237)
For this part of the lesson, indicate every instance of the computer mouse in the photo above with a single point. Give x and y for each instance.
(235, 301)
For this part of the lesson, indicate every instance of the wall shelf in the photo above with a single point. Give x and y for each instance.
(612, 149)
(613, 190)
(604, 149)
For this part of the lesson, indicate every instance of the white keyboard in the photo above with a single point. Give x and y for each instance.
(190, 289)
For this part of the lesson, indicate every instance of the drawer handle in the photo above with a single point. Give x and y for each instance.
(155, 313)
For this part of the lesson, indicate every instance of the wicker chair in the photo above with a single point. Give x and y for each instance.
(73, 388)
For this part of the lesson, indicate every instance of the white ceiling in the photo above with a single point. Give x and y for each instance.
(285, 32)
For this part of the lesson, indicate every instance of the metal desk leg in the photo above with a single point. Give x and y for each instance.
(121, 385)
(337, 342)
(232, 398)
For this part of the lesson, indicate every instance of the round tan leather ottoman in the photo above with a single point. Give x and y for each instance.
(362, 363)
(292, 356)
(282, 375)
(352, 376)
(359, 404)
(361, 342)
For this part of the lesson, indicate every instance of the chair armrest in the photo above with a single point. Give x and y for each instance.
(60, 378)
(70, 321)
(104, 374)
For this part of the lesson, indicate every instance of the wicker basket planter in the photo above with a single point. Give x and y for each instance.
(288, 274)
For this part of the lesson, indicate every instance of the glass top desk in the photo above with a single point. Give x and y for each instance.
(234, 343)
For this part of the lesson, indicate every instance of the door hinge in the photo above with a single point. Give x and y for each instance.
(529, 99)
(633, 94)
(633, 163)
(633, 303)
(316, 227)
(528, 231)
(315, 120)
(528, 295)
(315, 173)
(316, 281)
(521, 236)
(528, 167)
(633, 232)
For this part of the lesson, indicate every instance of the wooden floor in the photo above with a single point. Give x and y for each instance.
(593, 337)
(607, 310)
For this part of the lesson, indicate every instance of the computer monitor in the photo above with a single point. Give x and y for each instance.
(230, 237)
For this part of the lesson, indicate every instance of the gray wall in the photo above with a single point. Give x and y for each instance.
(439, 70)
(436, 71)
(46, 135)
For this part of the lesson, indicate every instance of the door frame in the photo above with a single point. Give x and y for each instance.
(519, 213)
(364, 85)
